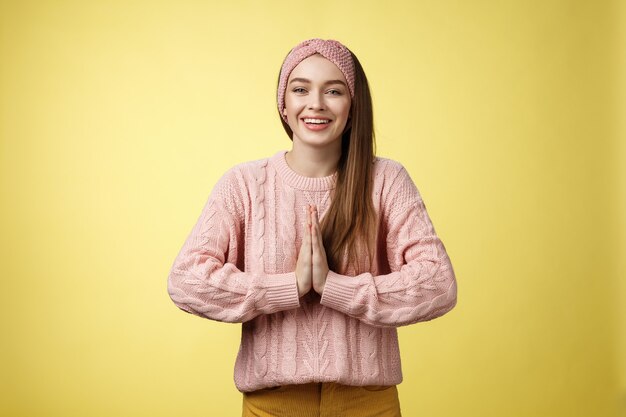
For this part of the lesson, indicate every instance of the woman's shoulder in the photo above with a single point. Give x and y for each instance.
(387, 169)
(246, 171)
(393, 182)
(239, 183)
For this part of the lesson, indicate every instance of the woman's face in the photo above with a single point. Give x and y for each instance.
(316, 92)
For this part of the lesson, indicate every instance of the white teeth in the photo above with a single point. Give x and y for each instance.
(318, 121)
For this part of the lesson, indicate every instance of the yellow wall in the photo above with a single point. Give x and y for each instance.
(116, 119)
(619, 163)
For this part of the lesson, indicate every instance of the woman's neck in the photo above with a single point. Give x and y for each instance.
(313, 162)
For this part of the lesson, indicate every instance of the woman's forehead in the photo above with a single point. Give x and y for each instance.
(316, 66)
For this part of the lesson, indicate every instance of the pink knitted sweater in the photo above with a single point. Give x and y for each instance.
(238, 266)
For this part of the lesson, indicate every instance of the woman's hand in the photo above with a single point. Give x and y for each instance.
(318, 257)
(312, 266)
(303, 266)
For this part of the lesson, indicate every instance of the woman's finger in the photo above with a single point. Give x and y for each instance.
(318, 232)
(319, 261)
(314, 236)
(303, 264)
(307, 233)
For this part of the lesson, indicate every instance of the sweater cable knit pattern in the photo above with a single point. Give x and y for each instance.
(238, 266)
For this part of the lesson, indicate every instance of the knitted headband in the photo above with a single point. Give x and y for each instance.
(330, 49)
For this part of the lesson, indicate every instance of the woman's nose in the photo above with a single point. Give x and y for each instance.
(316, 101)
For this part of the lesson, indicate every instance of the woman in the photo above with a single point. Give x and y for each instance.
(320, 252)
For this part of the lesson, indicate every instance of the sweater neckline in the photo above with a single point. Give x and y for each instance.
(298, 181)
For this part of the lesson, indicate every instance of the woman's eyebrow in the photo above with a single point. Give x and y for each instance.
(305, 80)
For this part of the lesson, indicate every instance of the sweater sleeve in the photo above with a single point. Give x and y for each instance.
(422, 284)
(205, 279)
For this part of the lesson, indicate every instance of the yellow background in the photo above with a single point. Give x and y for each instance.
(117, 118)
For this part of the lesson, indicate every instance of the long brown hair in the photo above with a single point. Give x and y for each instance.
(349, 226)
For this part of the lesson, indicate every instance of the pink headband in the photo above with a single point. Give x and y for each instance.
(330, 49)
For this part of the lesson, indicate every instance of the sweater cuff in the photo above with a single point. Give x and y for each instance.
(281, 292)
(338, 293)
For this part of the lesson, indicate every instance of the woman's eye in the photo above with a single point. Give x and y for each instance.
(298, 90)
(335, 92)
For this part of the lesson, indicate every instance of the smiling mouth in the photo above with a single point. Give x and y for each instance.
(316, 125)
(313, 121)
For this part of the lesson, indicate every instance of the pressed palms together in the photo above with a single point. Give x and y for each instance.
(312, 266)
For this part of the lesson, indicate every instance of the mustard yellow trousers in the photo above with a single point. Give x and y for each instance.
(325, 399)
